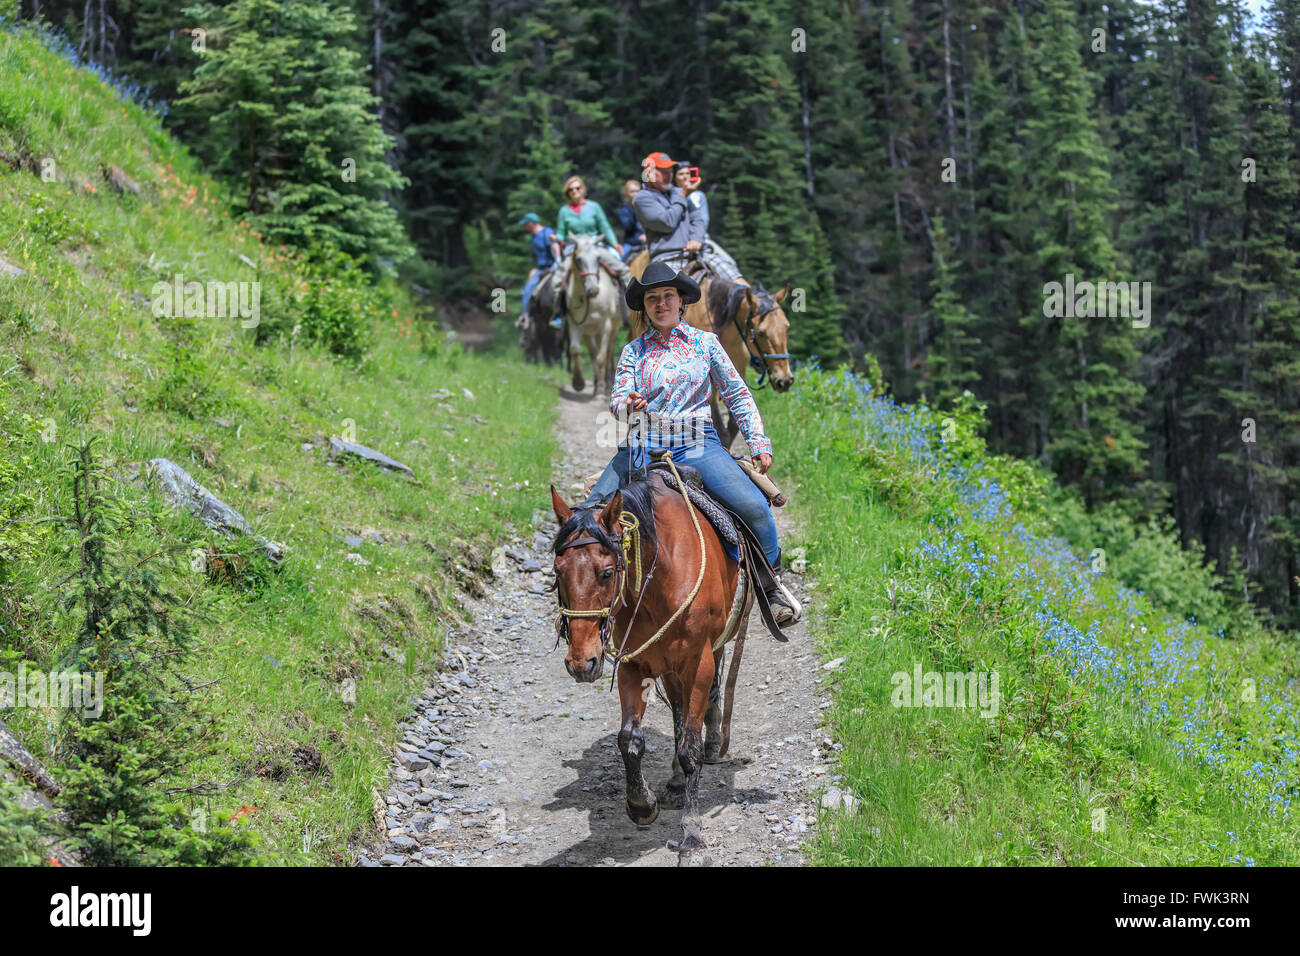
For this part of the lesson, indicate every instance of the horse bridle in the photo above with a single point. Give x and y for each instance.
(631, 544)
(573, 256)
(757, 357)
(606, 614)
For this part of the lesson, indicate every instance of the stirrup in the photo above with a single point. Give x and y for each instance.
(779, 596)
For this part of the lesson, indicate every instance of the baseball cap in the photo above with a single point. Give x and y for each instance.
(658, 159)
(531, 217)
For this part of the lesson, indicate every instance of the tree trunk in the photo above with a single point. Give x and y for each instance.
(807, 128)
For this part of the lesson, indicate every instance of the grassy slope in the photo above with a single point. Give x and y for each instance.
(1106, 703)
(80, 347)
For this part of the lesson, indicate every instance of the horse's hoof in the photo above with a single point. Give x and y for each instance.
(692, 837)
(696, 857)
(643, 816)
(728, 761)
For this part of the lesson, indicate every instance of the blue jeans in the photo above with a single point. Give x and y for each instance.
(723, 479)
(530, 287)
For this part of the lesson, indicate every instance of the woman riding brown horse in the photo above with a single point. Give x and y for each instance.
(643, 579)
(646, 582)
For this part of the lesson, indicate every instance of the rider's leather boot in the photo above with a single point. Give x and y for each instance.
(785, 608)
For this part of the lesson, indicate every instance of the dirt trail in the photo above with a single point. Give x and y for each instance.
(509, 761)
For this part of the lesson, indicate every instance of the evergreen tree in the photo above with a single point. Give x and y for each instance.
(1262, 378)
(817, 330)
(304, 144)
(997, 266)
(1086, 374)
(754, 97)
(952, 360)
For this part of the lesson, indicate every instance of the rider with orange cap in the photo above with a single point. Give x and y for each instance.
(675, 228)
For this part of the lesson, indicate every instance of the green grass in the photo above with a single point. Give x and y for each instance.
(81, 353)
(942, 785)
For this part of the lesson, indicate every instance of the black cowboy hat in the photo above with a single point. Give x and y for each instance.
(659, 274)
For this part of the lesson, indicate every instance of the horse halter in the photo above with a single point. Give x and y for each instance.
(757, 357)
(573, 261)
(631, 543)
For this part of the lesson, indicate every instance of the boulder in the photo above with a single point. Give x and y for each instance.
(180, 488)
(340, 447)
(120, 181)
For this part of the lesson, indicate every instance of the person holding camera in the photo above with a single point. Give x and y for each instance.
(687, 179)
(674, 228)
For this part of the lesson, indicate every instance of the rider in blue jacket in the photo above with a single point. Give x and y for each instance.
(546, 252)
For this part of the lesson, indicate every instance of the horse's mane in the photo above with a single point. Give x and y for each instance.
(766, 301)
(724, 301)
(638, 499)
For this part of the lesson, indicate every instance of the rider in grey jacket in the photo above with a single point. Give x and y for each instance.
(673, 227)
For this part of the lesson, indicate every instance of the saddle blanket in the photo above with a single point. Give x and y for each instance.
(717, 516)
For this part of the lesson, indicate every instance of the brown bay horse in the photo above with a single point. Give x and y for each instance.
(645, 581)
(748, 320)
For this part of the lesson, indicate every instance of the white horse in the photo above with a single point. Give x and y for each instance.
(594, 308)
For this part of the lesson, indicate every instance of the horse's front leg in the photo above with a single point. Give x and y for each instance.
(642, 805)
(603, 357)
(593, 351)
(575, 356)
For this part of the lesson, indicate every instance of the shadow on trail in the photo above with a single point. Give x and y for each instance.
(613, 835)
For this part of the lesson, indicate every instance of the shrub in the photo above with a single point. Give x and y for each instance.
(21, 830)
(138, 636)
(327, 300)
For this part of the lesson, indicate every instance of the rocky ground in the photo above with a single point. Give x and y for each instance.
(506, 760)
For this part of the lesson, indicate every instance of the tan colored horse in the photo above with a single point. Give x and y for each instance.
(748, 320)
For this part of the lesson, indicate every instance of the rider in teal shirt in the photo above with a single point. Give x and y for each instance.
(583, 217)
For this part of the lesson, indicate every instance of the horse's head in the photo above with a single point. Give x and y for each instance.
(588, 556)
(587, 263)
(771, 333)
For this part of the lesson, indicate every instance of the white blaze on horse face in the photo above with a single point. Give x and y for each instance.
(585, 254)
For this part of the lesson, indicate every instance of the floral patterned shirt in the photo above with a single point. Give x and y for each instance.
(676, 373)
